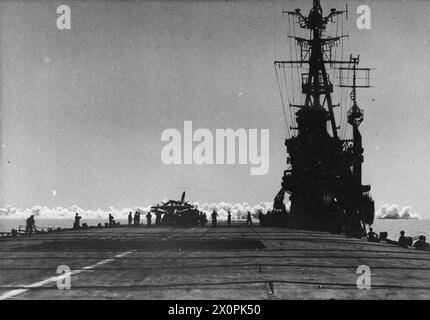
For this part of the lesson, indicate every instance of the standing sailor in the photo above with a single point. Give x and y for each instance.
(30, 225)
(77, 223)
(157, 218)
(249, 219)
(135, 218)
(229, 218)
(111, 220)
(261, 217)
(148, 219)
(214, 215)
(203, 219)
(402, 240)
(130, 219)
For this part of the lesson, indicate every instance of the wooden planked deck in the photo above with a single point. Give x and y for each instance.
(203, 263)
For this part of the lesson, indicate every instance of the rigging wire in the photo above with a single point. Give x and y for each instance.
(348, 131)
(340, 82)
(346, 103)
(282, 102)
(274, 34)
(289, 108)
(297, 69)
(341, 74)
(291, 26)
(336, 47)
(282, 98)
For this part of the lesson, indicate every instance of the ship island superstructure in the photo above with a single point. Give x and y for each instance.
(324, 173)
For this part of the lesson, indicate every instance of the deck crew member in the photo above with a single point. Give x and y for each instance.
(111, 220)
(157, 218)
(130, 218)
(421, 243)
(214, 216)
(202, 218)
(148, 219)
(77, 223)
(135, 220)
(30, 225)
(402, 240)
(261, 218)
(372, 236)
(229, 218)
(249, 219)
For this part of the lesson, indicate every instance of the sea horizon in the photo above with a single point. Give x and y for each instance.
(412, 227)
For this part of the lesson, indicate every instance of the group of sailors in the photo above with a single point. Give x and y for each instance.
(420, 243)
(132, 220)
(214, 216)
(135, 220)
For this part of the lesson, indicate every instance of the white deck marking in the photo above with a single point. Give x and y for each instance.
(16, 292)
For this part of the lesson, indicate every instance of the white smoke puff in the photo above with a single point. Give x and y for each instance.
(256, 210)
(36, 211)
(142, 210)
(267, 206)
(208, 208)
(222, 209)
(76, 209)
(222, 214)
(246, 206)
(195, 204)
(242, 210)
(406, 213)
(237, 210)
(124, 212)
(262, 207)
(8, 211)
(381, 212)
(99, 214)
(393, 212)
(234, 215)
(225, 206)
(388, 212)
(67, 213)
(205, 207)
(213, 206)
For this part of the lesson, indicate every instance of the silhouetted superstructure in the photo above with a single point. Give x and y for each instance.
(324, 174)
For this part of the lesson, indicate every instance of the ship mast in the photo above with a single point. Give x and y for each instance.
(316, 83)
(324, 175)
(355, 114)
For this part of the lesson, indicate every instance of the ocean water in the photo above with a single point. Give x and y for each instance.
(412, 227)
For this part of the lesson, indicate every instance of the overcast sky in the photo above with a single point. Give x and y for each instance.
(82, 110)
